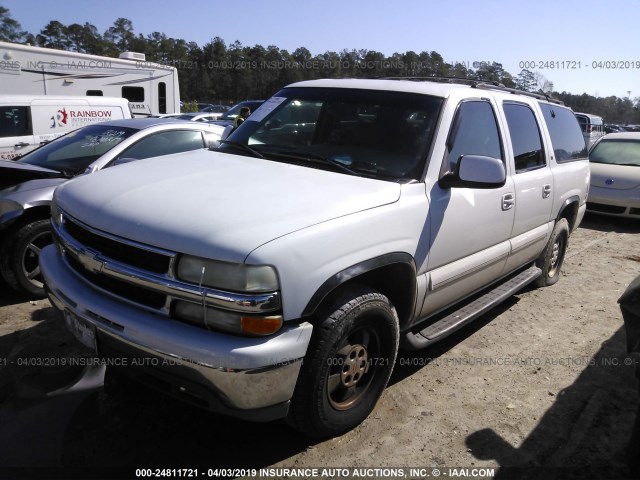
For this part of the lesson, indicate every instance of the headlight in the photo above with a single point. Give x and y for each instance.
(234, 277)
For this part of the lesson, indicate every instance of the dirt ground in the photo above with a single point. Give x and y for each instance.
(541, 387)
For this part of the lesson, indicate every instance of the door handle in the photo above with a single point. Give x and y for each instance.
(508, 201)
(546, 191)
(21, 144)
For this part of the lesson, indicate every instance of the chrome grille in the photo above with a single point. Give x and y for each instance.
(123, 252)
(128, 291)
(97, 249)
(143, 275)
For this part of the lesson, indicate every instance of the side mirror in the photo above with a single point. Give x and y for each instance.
(475, 171)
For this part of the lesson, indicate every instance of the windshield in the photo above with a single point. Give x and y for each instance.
(379, 134)
(74, 152)
(616, 152)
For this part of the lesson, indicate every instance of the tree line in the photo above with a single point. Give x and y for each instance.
(221, 73)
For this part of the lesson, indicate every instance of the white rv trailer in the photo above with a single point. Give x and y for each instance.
(151, 88)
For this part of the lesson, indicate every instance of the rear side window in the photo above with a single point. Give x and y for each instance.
(474, 132)
(525, 137)
(165, 143)
(14, 122)
(566, 136)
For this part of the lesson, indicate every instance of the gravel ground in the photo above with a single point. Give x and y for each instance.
(541, 387)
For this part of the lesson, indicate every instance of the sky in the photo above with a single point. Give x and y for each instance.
(581, 46)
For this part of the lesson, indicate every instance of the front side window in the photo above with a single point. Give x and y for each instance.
(566, 135)
(525, 137)
(165, 143)
(14, 122)
(377, 134)
(474, 132)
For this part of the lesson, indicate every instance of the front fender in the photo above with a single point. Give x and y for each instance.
(312, 261)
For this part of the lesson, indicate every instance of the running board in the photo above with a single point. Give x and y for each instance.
(470, 311)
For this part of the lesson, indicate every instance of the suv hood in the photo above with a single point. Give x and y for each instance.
(216, 205)
(12, 173)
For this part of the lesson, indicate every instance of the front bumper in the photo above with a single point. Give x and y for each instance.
(250, 378)
(617, 203)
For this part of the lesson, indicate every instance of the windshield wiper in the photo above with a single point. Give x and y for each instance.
(242, 146)
(314, 156)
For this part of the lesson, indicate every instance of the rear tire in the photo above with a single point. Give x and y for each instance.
(348, 364)
(20, 254)
(551, 259)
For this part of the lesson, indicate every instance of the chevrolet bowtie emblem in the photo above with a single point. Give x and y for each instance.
(89, 261)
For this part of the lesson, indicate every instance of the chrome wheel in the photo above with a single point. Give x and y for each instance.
(20, 256)
(30, 256)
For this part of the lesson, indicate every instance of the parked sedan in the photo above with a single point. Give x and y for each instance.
(215, 109)
(202, 117)
(198, 116)
(27, 185)
(230, 115)
(615, 175)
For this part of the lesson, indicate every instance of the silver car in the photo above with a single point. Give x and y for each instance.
(27, 185)
(615, 175)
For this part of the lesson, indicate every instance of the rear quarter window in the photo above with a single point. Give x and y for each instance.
(566, 135)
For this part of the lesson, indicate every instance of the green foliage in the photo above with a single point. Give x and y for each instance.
(220, 73)
(188, 107)
(10, 29)
(625, 111)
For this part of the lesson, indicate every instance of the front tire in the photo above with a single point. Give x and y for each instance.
(348, 365)
(20, 254)
(551, 259)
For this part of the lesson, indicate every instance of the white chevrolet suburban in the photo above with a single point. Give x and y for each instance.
(277, 276)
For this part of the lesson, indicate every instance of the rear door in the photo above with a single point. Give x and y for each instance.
(533, 184)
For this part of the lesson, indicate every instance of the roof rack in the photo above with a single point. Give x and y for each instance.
(484, 84)
(515, 91)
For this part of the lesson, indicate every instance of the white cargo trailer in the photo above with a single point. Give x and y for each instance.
(150, 88)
